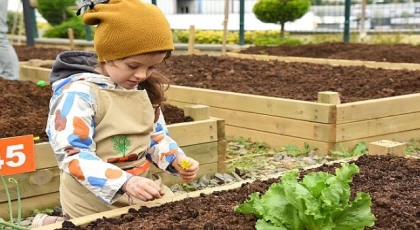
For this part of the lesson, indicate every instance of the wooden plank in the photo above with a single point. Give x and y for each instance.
(33, 184)
(44, 156)
(186, 134)
(34, 74)
(29, 204)
(204, 153)
(377, 108)
(399, 136)
(276, 140)
(376, 127)
(288, 108)
(81, 221)
(325, 61)
(277, 125)
(168, 180)
(191, 133)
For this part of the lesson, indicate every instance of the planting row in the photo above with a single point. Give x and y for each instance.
(388, 199)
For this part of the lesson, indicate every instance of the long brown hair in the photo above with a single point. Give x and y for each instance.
(156, 85)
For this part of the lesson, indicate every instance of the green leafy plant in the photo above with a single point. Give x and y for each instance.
(320, 201)
(413, 146)
(295, 151)
(360, 149)
(9, 201)
(280, 11)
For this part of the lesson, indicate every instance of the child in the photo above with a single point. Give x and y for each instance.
(105, 124)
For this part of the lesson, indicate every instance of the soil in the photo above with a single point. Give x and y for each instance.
(397, 53)
(24, 109)
(26, 53)
(301, 81)
(393, 184)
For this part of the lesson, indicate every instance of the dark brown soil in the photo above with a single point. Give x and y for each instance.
(399, 53)
(393, 184)
(26, 53)
(301, 81)
(24, 109)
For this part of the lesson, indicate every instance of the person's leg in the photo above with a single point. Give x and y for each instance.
(9, 62)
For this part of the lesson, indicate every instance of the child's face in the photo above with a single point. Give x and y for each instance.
(129, 72)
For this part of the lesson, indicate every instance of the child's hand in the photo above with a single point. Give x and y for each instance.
(143, 188)
(186, 167)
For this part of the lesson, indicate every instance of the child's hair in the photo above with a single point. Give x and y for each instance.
(155, 85)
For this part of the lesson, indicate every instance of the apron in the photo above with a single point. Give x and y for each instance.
(123, 124)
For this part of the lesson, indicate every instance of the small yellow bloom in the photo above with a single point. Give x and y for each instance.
(36, 138)
(185, 163)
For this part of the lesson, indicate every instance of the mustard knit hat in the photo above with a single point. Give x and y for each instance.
(128, 27)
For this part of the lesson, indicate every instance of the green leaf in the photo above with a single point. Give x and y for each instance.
(278, 209)
(251, 206)
(302, 200)
(360, 149)
(263, 225)
(316, 182)
(357, 215)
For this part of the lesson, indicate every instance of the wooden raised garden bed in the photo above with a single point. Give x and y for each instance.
(213, 208)
(206, 143)
(323, 123)
(325, 61)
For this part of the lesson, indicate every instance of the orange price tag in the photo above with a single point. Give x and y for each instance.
(17, 155)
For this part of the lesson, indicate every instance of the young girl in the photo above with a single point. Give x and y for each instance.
(105, 125)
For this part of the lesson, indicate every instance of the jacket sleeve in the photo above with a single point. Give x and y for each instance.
(163, 149)
(70, 129)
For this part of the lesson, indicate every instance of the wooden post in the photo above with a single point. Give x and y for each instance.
(71, 38)
(329, 97)
(221, 146)
(191, 40)
(362, 33)
(197, 112)
(384, 147)
(225, 23)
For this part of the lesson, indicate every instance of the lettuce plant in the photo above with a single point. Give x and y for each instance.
(319, 202)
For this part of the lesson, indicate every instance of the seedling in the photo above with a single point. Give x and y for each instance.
(360, 149)
(9, 200)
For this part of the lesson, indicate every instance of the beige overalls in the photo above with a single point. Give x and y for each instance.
(120, 113)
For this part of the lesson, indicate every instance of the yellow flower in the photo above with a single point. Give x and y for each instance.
(185, 163)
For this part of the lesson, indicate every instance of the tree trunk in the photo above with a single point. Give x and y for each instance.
(282, 30)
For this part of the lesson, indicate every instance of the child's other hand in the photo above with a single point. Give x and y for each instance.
(186, 174)
(143, 188)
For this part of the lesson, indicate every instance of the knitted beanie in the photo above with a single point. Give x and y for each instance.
(128, 27)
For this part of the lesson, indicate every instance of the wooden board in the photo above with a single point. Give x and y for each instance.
(277, 125)
(191, 133)
(377, 108)
(276, 140)
(34, 74)
(377, 127)
(32, 184)
(325, 61)
(272, 124)
(287, 108)
(29, 204)
(400, 136)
